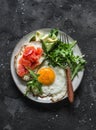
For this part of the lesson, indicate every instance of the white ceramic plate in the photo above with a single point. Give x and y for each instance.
(22, 85)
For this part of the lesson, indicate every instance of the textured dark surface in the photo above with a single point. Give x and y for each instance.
(78, 19)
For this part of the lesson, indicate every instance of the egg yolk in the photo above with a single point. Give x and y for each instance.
(47, 76)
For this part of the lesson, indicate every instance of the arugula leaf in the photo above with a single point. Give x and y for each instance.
(34, 85)
(53, 32)
(63, 56)
(33, 75)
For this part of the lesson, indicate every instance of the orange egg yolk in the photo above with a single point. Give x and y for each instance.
(46, 76)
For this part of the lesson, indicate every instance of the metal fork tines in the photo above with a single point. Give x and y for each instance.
(64, 38)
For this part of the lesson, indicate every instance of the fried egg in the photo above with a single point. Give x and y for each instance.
(53, 82)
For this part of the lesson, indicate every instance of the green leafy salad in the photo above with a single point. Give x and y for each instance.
(57, 53)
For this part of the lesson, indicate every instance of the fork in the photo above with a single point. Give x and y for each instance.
(64, 38)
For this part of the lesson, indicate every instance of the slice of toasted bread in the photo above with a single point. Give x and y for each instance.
(26, 77)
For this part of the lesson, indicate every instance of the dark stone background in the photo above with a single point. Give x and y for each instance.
(78, 19)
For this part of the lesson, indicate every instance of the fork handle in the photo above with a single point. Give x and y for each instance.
(69, 85)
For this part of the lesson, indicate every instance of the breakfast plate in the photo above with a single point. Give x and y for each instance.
(21, 84)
